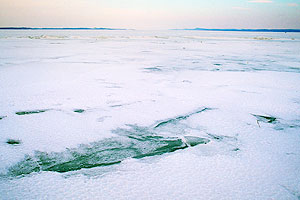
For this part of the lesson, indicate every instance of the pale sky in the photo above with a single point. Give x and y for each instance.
(151, 14)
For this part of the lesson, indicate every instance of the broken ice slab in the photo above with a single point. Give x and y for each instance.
(193, 140)
(13, 141)
(266, 119)
(179, 118)
(79, 110)
(135, 143)
(154, 69)
(2, 117)
(30, 112)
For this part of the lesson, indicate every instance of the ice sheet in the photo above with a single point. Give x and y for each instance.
(149, 115)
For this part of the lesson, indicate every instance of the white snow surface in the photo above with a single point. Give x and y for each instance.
(140, 78)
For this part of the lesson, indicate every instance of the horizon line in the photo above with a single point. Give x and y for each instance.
(61, 28)
(243, 29)
(187, 29)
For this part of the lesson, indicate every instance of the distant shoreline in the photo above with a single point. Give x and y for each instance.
(192, 29)
(244, 30)
(30, 28)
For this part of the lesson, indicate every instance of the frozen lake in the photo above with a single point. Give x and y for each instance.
(149, 115)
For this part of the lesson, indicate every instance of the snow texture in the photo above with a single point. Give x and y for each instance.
(149, 115)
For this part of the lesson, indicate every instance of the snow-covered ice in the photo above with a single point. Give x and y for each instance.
(149, 115)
